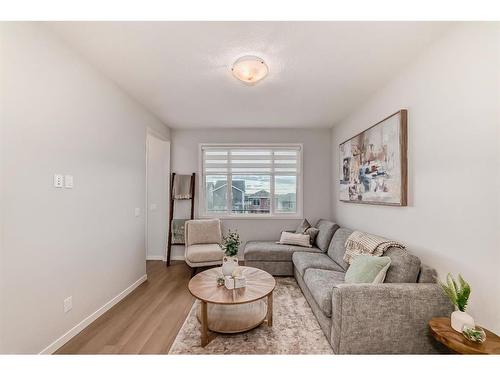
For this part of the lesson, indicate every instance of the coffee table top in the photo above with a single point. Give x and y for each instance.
(442, 331)
(259, 284)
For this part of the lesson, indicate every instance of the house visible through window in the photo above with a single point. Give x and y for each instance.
(264, 180)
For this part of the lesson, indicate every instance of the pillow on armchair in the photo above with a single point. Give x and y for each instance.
(203, 232)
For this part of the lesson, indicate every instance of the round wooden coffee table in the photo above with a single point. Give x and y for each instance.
(442, 332)
(232, 310)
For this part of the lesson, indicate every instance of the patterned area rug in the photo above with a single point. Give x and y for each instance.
(294, 331)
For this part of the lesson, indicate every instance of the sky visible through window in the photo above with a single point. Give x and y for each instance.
(285, 184)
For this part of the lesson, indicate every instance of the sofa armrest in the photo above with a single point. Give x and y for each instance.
(386, 318)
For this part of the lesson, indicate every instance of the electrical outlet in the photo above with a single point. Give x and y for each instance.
(68, 304)
(58, 180)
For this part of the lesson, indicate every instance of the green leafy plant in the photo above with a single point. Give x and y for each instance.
(458, 293)
(474, 334)
(230, 243)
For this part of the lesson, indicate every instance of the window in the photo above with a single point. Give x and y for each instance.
(265, 180)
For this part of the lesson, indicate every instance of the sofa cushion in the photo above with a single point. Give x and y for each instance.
(336, 249)
(326, 230)
(302, 261)
(202, 253)
(320, 284)
(273, 252)
(404, 268)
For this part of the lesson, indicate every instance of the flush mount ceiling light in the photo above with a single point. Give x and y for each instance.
(250, 69)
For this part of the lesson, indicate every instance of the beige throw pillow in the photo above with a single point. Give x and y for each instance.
(298, 239)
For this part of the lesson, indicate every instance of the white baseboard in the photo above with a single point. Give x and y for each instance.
(92, 317)
(155, 257)
(158, 257)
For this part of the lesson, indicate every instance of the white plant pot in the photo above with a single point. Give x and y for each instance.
(459, 319)
(229, 264)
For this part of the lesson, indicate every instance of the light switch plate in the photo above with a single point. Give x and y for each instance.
(68, 304)
(58, 180)
(68, 181)
(137, 212)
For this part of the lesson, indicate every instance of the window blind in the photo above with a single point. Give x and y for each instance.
(251, 160)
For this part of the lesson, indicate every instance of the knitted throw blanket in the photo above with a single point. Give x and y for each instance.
(364, 243)
(182, 187)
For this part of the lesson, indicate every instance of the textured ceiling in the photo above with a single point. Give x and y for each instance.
(181, 71)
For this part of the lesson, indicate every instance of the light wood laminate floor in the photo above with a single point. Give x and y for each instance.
(146, 321)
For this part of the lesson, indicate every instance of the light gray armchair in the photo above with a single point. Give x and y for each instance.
(202, 239)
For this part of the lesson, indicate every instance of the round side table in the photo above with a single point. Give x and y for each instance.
(441, 330)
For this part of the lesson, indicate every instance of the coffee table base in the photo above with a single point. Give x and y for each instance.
(234, 318)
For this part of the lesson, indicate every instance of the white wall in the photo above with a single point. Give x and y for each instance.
(452, 94)
(58, 115)
(317, 173)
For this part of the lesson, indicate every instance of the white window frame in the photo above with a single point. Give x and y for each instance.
(272, 215)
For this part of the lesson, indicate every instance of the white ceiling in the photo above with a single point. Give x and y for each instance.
(319, 71)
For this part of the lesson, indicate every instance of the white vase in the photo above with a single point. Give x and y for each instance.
(459, 319)
(229, 264)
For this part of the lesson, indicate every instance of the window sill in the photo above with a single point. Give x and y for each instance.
(243, 217)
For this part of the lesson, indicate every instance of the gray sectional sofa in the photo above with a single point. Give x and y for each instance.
(359, 318)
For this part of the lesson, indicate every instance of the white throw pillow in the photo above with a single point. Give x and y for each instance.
(298, 239)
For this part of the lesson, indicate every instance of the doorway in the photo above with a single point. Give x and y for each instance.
(157, 193)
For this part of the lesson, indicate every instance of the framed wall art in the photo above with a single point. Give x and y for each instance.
(373, 163)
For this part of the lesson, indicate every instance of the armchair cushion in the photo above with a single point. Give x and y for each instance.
(203, 232)
(203, 253)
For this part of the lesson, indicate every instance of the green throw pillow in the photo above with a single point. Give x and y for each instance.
(367, 269)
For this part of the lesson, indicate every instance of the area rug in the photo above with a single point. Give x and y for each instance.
(294, 331)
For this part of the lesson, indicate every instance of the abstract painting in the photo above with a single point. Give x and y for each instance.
(373, 166)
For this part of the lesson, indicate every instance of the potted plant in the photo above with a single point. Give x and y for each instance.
(458, 293)
(230, 245)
